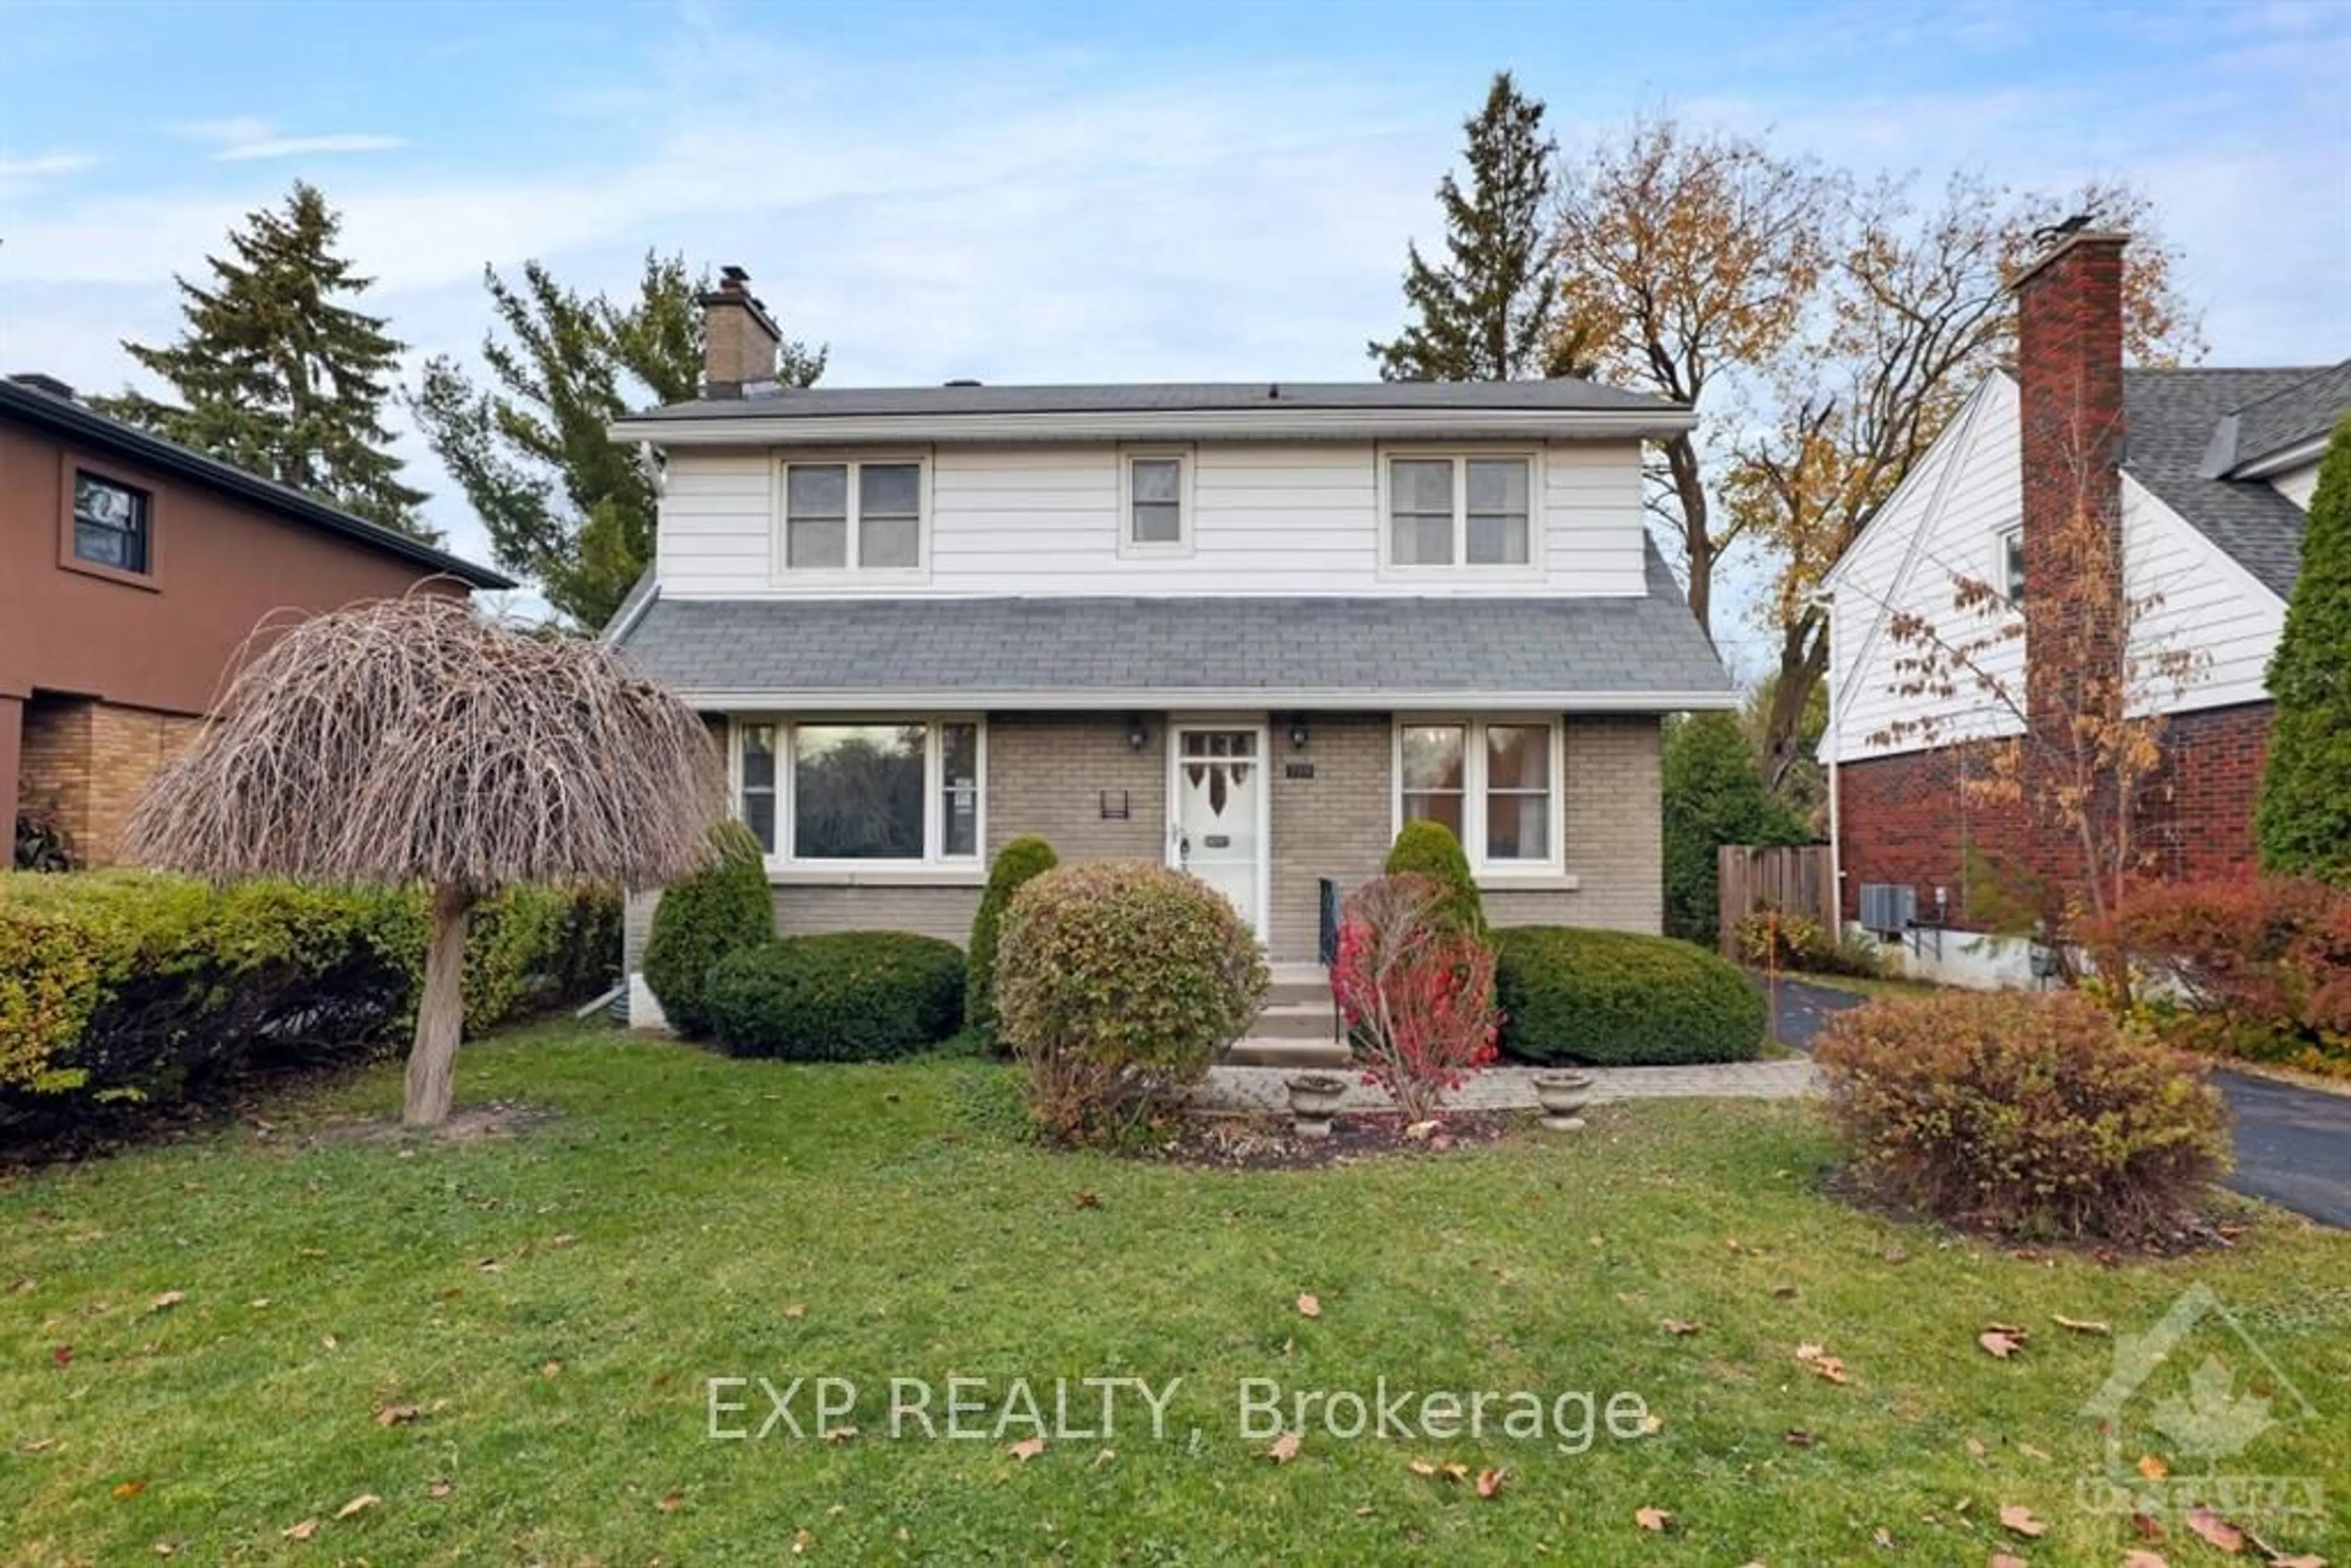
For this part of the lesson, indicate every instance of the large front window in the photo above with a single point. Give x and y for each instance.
(903, 792)
(1494, 783)
(1460, 511)
(862, 516)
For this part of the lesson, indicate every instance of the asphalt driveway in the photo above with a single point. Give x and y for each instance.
(2293, 1145)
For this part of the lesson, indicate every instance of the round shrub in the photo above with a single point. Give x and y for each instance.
(716, 912)
(1615, 998)
(2031, 1115)
(1429, 848)
(852, 996)
(1025, 857)
(1117, 983)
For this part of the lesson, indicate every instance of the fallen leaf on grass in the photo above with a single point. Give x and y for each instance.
(2005, 1559)
(167, 1299)
(62, 1355)
(1027, 1449)
(1652, 1424)
(838, 1434)
(552, 1369)
(1089, 1199)
(2002, 1340)
(439, 1489)
(128, 1489)
(1820, 1364)
(1656, 1519)
(360, 1504)
(2081, 1326)
(1308, 1307)
(1677, 1326)
(1975, 1449)
(327, 1342)
(302, 1531)
(1884, 1537)
(395, 1415)
(796, 1309)
(670, 1502)
(1489, 1482)
(2218, 1532)
(2020, 1521)
(1797, 1439)
(802, 1542)
(2152, 1468)
(2142, 1560)
(165, 1549)
(1284, 1450)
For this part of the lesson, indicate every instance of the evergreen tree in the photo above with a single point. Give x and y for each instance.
(2304, 822)
(276, 373)
(1714, 794)
(1487, 313)
(562, 502)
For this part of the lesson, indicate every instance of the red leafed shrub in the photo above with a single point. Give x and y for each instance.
(2262, 964)
(2030, 1115)
(1416, 990)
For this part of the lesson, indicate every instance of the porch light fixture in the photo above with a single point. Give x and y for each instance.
(1298, 731)
(1137, 738)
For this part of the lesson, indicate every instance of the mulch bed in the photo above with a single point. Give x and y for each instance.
(1268, 1143)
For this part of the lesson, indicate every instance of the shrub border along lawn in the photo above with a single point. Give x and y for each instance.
(1620, 998)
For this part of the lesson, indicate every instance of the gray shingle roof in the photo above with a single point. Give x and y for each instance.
(1173, 397)
(1362, 652)
(2304, 411)
(2170, 420)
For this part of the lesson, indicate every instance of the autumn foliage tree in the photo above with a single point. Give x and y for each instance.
(1415, 989)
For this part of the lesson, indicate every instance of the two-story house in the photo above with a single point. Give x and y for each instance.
(132, 573)
(2206, 475)
(1248, 630)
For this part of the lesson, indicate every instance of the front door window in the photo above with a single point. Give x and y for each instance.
(1219, 784)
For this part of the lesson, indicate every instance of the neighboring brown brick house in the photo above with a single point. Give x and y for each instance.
(132, 572)
(1243, 629)
(2207, 472)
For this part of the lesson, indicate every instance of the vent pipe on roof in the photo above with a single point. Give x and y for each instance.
(963, 382)
(44, 384)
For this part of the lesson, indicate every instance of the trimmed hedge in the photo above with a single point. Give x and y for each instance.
(123, 986)
(720, 910)
(1429, 848)
(851, 996)
(1025, 857)
(1615, 998)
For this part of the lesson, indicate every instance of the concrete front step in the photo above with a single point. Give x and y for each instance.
(1297, 984)
(1296, 1055)
(1295, 1021)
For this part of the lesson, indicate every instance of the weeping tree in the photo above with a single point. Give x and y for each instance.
(410, 742)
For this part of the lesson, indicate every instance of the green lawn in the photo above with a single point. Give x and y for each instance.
(552, 1304)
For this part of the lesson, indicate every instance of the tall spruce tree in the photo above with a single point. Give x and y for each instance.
(1487, 313)
(562, 502)
(277, 374)
(2304, 822)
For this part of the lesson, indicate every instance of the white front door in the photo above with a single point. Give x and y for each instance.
(1216, 819)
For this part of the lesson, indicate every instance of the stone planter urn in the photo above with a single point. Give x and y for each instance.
(1564, 1096)
(1314, 1100)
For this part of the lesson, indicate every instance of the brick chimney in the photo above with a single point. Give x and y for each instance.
(2069, 372)
(738, 338)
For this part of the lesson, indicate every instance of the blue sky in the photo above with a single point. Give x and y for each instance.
(1039, 192)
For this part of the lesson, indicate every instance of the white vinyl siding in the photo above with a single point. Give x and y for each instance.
(1276, 518)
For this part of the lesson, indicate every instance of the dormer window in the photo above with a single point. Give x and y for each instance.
(853, 516)
(1469, 510)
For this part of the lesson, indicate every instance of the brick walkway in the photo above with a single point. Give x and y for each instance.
(1250, 1090)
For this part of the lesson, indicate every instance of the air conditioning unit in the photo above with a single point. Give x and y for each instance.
(1888, 908)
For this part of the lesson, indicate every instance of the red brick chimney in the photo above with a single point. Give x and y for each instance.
(738, 338)
(2069, 374)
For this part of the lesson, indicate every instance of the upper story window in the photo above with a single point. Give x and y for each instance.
(1155, 495)
(110, 523)
(1454, 511)
(2010, 546)
(905, 792)
(864, 515)
(1494, 783)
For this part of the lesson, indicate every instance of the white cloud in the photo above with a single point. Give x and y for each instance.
(242, 138)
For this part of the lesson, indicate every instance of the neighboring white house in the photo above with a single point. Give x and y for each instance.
(2213, 471)
(1246, 629)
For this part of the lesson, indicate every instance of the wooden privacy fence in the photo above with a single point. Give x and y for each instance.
(1791, 878)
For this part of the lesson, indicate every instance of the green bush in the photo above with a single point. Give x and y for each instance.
(1016, 863)
(1117, 983)
(2303, 820)
(1429, 848)
(852, 996)
(2027, 1114)
(1713, 794)
(717, 911)
(123, 986)
(1617, 1000)
(1777, 938)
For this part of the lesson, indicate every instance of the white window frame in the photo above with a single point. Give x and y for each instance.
(1385, 457)
(935, 865)
(1550, 871)
(779, 511)
(2014, 600)
(1131, 548)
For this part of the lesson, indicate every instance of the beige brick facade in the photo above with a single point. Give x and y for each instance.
(86, 764)
(1068, 779)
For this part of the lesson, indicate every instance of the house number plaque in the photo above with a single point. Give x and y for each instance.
(1218, 841)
